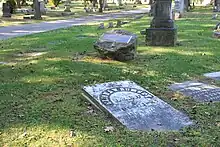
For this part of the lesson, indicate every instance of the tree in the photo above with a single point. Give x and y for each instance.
(37, 13)
(101, 6)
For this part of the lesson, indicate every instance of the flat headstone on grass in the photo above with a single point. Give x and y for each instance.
(213, 75)
(199, 91)
(135, 107)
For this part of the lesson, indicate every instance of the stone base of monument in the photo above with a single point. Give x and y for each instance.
(135, 107)
(118, 45)
(6, 15)
(161, 36)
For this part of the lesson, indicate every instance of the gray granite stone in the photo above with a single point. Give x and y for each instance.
(213, 75)
(199, 91)
(118, 45)
(162, 31)
(135, 107)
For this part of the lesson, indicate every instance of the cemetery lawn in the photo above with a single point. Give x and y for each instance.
(42, 74)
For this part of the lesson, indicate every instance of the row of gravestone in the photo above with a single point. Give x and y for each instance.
(8, 10)
(138, 109)
(119, 23)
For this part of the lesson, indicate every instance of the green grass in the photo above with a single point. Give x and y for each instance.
(40, 96)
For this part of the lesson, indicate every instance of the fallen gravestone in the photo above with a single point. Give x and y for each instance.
(118, 44)
(135, 107)
(199, 91)
(213, 75)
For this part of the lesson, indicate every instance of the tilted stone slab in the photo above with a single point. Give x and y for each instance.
(135, 107)
(213, 75)
(199, 91)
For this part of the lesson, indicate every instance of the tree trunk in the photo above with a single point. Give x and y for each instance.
(37, 14)
(100, 6)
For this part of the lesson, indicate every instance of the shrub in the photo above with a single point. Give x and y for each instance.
(54, 2)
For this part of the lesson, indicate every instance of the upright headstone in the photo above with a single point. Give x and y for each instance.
(119, 23)
(110, 25)
(135, 107)
(179, 9)
(67, 6)
(42, 7)
(218, 5)
(162, 31)
(6, 9)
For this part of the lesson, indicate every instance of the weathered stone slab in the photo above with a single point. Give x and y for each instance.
(116, 38)
(135, 107)
(213, 75)
(118, 45)
(199, 91)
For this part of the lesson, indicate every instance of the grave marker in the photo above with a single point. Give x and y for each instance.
(117, 44)
(213, 75)
(135, 107)
(199, 91)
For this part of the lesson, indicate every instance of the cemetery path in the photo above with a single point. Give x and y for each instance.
(21, 30)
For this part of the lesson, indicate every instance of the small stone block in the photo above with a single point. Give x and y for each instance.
(135, 107)
(198, 91)
(28, 17)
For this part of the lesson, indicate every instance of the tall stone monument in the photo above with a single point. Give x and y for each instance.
(6, 9)
(162, 31)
